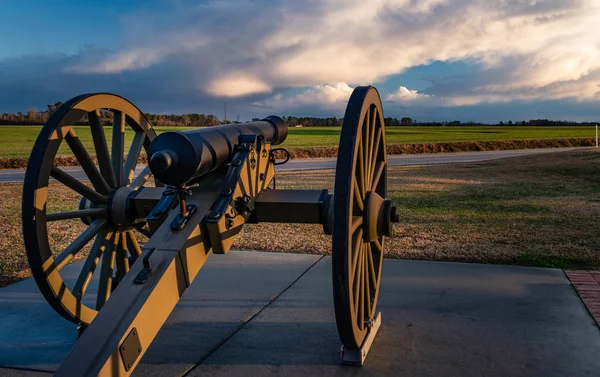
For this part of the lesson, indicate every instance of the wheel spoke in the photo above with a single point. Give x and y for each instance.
(118, 145)
(375, 152)
(122, 260)
(378, 245)
(366, 148)
(77, 186)
(132, 156)
(86, 163)
(132, 245)
(141, 179)
(70, 251)
(372, 271)
(372, 146)
(361, 168)
(361, 305)
(89, 266)
(356, 222)
(101, 147)
(367, 279)
(378, 174)
(106, 272)
(357, 244)
(357, 282)
(75, 214)
(358, 197)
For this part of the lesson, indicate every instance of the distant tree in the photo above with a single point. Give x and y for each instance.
(406, 121)
(510, 123)
(389, 121)
(32, 115)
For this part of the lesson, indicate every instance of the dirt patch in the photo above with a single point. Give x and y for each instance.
(467, 146)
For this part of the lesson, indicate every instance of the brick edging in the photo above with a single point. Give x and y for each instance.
(587, 285)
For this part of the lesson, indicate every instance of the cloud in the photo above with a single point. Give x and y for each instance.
(123, 61)
(405, 94)
(326, 96)
(237, 84)
(547, 44)
(269, 50)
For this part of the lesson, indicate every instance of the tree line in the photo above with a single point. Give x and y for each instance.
(35, 117)
(294, 121)
(521, 123)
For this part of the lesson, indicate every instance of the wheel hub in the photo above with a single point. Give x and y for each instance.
(121, 214)
(85, 203)
(118, 208)
(378, 217)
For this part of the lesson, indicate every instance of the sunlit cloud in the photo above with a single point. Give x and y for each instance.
(237, 84)
(405, 94)
(326, 96)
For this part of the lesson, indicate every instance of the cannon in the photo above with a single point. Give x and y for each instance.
(149, 232)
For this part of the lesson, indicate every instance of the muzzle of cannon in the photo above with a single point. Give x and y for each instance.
(149, 230)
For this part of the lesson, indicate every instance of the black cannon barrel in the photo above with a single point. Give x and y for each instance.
(177, 157)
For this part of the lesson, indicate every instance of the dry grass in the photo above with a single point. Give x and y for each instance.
(535, 210)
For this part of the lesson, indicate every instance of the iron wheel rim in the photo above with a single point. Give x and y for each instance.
(357, 263)
(44, 266)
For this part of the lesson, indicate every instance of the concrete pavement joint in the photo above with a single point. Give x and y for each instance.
(241, 326)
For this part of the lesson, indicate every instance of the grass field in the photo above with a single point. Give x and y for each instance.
(536, 211)
(16, 141)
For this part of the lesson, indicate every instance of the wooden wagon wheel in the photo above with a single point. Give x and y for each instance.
(113, 242)
(362, 216)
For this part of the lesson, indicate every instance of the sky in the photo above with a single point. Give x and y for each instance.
(431, 60)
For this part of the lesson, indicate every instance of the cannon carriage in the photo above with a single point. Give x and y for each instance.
(192, 199)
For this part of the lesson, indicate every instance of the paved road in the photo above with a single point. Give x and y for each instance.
(271, 314)
(423, 159)
(17, 175)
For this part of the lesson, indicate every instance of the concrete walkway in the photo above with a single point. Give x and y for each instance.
(261, 314)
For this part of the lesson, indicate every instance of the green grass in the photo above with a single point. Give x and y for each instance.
(16, 141)
(329, 136)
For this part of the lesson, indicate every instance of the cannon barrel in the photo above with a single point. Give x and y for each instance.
(178, 157)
